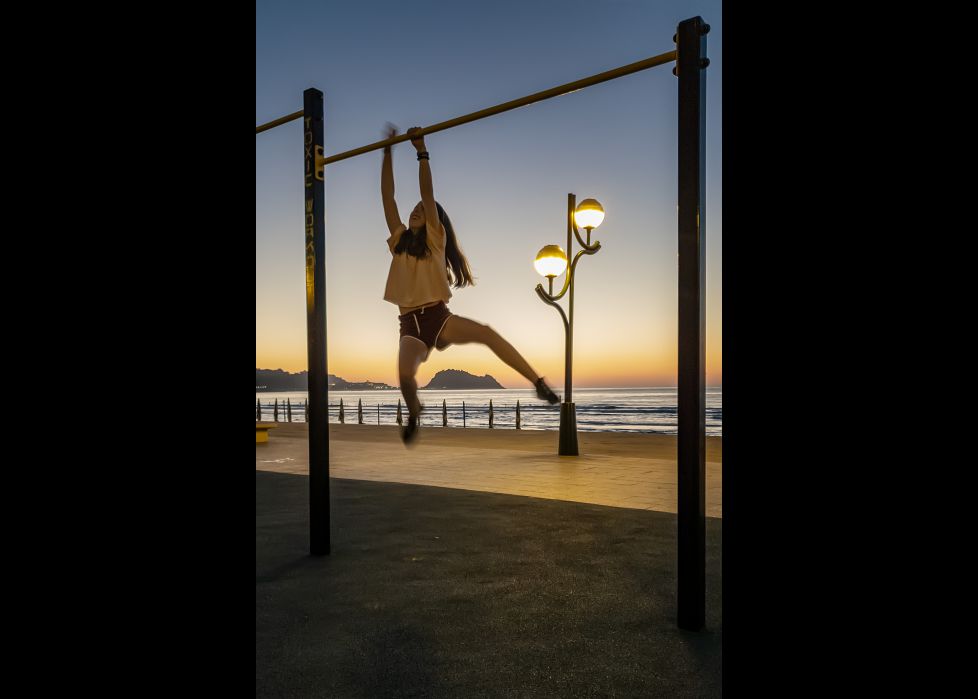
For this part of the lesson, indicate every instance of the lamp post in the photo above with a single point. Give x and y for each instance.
(552, 262)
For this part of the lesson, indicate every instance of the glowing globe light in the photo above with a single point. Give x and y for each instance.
(589, 214)
(551, 261)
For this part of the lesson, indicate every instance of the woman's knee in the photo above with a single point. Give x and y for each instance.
(409, 359)
(481, 332)
(407, 372)
(488, 336)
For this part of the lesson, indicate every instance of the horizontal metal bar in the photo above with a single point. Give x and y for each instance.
(279, 122)
(522, 102)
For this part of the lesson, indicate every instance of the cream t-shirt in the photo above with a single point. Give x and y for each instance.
(415, 282)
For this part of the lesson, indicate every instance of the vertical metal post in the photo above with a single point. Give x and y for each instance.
(315, 224)
(690, 64)
(569, 341)
(567, 438)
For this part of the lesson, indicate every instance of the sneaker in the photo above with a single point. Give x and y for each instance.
(544, 392)
(410, 433)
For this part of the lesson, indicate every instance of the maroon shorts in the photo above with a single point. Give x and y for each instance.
(426, 324)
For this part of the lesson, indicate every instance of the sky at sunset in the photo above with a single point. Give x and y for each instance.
(503, 180)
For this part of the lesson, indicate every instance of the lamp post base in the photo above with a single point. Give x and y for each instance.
(568, 430)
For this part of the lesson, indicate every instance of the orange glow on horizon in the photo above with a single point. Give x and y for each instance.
(614, 372)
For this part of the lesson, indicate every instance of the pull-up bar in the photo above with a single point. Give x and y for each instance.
(490, 111)
(278, 122)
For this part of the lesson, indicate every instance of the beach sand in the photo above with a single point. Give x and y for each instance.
(636, 471)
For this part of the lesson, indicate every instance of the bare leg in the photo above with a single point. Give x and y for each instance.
(460, 331)
(410, 356)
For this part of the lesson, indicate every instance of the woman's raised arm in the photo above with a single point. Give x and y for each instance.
(387, 184)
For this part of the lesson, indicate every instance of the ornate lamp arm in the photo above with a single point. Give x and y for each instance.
(551, 301)
(557, 297)
(577, 234)
(586, 251)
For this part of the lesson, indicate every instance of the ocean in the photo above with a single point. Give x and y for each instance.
(650, 410)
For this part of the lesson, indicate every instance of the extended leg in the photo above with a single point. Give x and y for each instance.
(460, 331)
(410, 356)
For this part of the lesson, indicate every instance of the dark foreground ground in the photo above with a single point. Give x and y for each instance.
(434, 592)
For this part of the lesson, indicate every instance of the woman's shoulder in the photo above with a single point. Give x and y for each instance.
(395, 236)
(438, 234)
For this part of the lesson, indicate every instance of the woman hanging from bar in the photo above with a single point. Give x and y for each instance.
(426, 260)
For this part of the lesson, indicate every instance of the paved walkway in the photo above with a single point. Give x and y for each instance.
(618, 469)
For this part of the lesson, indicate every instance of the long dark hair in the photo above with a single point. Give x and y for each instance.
(416, 244)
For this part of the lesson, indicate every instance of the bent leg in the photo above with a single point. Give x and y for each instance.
(411, 353)
(460, 331)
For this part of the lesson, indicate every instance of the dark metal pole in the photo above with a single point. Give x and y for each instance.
(691, 592)
(567, 439)
(315, 223)
(569, 344)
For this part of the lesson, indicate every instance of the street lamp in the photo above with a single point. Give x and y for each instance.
(552, 262)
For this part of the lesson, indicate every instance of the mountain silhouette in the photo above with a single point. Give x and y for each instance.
(450, 379)
(278, 380)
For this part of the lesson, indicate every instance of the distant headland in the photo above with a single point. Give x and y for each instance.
(452, 379)
(448, 379)
(278, 380)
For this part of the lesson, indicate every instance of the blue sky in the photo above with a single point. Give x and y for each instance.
(504, 180)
